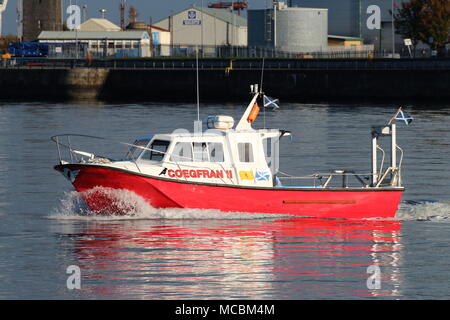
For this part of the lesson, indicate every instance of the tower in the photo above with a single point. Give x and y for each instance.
(3, 4)
(41, 15)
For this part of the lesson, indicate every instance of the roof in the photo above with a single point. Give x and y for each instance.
(224, 14)
(98, 25)
(345, 38)
(159, 28)
(93, 35)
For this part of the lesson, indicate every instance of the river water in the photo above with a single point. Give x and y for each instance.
(190, 254)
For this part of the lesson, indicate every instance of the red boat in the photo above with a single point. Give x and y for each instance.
(231, 169)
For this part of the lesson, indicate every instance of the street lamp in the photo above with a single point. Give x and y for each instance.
(102, 11)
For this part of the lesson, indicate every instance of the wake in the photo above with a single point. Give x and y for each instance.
(131, 206)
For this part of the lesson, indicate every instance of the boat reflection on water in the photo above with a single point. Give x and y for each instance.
(289, 258)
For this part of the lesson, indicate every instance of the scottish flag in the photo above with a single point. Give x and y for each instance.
(271, 103)
(262, 175)
(403, 116)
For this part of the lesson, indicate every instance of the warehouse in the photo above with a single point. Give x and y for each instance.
(349, 18)
(103, 43)
(197, 26)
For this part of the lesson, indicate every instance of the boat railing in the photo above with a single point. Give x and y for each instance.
(341, 179)
(70, 151)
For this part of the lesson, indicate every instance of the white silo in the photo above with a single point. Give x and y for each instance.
(288, 29)
(300, 29)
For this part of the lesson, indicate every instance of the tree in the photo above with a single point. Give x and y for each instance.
(409, 20)
(436, 23)
(424, 20)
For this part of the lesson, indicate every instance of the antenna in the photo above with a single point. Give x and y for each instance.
(85, 12)
(260, 88)
(122, 14)
(198, 89)
(262, 74)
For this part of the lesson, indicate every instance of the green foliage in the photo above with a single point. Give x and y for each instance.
(424, 20)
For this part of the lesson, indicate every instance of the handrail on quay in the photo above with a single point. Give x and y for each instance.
(238, 64)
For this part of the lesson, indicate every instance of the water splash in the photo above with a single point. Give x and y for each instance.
(421, 210)
(131, 206)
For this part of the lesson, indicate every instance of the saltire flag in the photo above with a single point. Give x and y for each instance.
(271, 103)
(401, 115)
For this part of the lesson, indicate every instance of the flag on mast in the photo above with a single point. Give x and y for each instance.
(271, 103)
(401, 115)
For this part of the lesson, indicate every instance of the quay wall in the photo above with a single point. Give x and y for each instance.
(220, 84)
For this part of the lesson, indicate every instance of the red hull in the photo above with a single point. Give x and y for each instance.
(161, 193)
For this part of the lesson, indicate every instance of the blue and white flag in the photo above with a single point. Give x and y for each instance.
(403, 116)
(262, 175)
(271, 103)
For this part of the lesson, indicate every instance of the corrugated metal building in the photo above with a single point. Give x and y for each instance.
(206, 26)
(104, 43)
(289, 29)
(349, 18)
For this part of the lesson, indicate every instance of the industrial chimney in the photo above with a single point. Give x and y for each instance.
(41, 15)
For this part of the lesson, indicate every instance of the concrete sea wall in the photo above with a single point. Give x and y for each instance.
(219, 84)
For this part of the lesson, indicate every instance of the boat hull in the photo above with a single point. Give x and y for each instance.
(164, 193)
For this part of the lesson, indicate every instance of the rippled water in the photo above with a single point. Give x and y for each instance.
(190, 254)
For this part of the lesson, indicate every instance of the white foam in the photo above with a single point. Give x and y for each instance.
(424, 210)
(72, 206)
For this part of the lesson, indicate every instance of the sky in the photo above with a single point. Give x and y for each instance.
(148, 9)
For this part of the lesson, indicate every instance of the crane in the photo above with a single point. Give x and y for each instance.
(3, 4)
(234, 5)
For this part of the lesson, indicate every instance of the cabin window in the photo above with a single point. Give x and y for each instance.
(157, 152)
(267, 145)
(200, 151)
(135, 151)
(182, 152)
(245, 152)
(216, 152)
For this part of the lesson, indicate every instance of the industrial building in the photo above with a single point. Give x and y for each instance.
(288, 29)
(349, 18)
(102, 43)
(197, 26)
(160, 38)
(40, 15)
